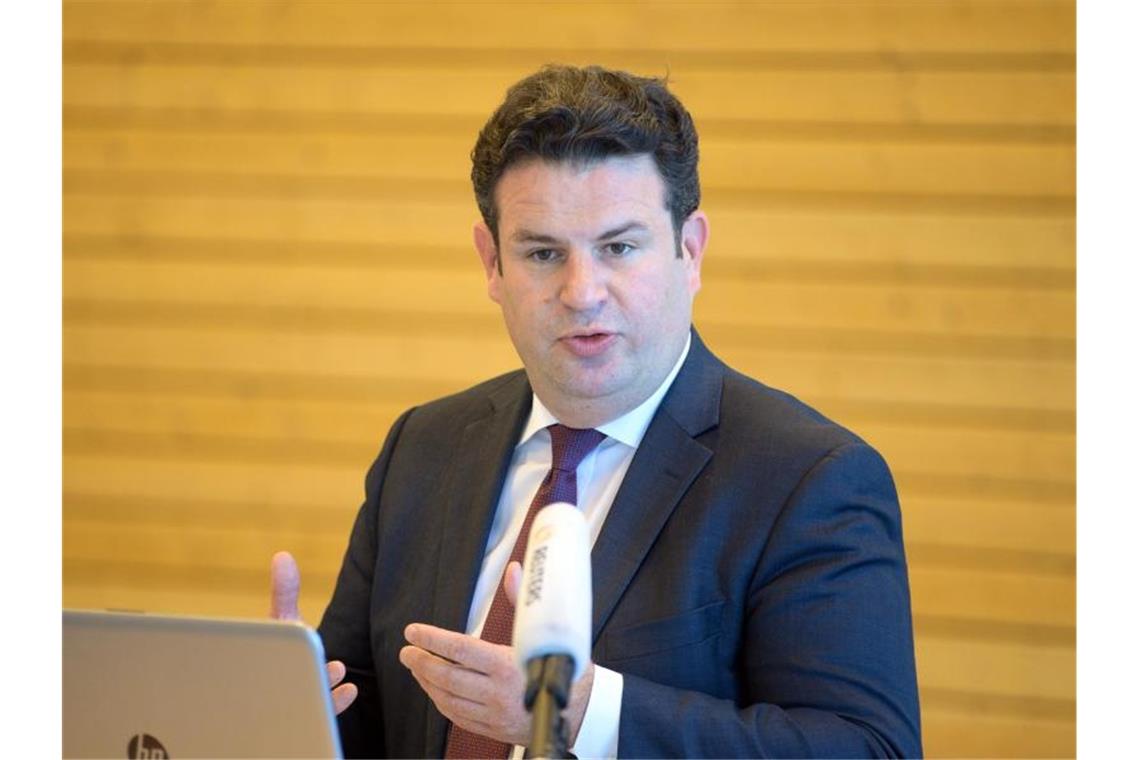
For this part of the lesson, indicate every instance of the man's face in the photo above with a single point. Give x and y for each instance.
(595, 298)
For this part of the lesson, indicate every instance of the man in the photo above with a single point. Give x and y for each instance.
(750, 588)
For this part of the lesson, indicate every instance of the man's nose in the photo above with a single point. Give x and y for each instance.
(584, 283)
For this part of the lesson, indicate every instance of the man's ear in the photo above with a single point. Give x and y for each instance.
(694, 238)
(489, 256)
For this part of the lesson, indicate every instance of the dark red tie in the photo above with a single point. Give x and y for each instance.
(569, 446)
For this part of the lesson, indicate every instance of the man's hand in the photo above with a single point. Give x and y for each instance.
(285, 587)
(476, 684)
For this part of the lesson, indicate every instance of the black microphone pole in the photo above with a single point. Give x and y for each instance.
(547, 694)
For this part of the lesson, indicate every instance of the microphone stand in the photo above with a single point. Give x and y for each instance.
(547, 694)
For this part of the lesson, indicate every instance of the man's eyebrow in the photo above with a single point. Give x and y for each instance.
(623, 229)
(526, 236)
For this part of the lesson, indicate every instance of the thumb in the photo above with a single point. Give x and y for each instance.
(284, 587)
(512, 580)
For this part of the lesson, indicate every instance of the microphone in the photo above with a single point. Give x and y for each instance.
(553, 621)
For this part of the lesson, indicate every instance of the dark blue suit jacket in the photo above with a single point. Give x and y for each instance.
(749, 581)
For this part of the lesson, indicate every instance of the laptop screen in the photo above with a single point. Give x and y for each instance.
(154, 686)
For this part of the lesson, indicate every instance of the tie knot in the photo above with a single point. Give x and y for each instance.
(571, 445)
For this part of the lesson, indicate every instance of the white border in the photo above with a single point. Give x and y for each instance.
(1108, 209)
(32, 392)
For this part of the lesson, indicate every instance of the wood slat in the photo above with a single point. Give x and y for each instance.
(1049, 456)
(338, 488)
(1006, 384)
(469, 358)
(1015, 597)
(81, 592)
(764, 233)
(978, 734)
(459, 290)
(787, 96)
(319, 155)
(996, 668)
(900, 26)
(726, 300)
(899, 97)
(387, 225)
(838, 166)
(982, 240)
(256, 417)
(214, 546)
(914, 308)
(472, 357)
(868, 167)
(174, 511)
(990, 524)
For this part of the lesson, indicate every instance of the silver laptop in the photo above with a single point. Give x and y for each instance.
(149, 686)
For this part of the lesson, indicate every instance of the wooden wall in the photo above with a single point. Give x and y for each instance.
(267, 258)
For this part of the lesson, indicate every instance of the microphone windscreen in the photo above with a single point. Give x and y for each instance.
(555, 603)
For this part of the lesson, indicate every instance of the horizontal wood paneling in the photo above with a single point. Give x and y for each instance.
(267, 258)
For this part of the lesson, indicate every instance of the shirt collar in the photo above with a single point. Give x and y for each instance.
(629, 428)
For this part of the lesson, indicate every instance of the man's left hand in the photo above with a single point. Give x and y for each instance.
(476, 684)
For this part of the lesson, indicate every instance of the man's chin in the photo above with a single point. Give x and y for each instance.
(602, 389)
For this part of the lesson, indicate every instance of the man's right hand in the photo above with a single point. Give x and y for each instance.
(285, 587)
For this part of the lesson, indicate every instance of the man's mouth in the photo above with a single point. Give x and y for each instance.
(587, 344)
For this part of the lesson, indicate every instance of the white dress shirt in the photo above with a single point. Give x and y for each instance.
(599, 476)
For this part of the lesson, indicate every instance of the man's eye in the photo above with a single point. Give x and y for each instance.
(618, 249)
(543, 255)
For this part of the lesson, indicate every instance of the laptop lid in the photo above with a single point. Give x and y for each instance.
(155, 686)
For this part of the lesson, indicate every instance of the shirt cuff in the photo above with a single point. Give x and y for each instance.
(598, 735)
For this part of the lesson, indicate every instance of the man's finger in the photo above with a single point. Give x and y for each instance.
(456, 707)
(343, 696)
(474, 683)
(512, 580)
(284, 587)
(336, 671)
(468, 651)
(445, 675)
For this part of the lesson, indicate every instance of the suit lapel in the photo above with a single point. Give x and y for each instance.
(481, 458)
(665, 465)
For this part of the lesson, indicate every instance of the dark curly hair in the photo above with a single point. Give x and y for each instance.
(566, 113)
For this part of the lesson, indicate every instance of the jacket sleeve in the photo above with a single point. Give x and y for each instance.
(345, 631)
(826, 667)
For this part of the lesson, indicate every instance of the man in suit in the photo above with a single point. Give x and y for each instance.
(750, 587)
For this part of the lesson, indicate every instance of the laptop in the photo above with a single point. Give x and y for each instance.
(137, 685)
